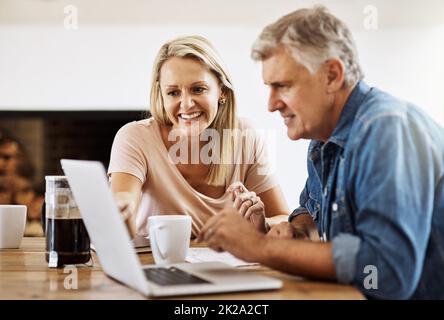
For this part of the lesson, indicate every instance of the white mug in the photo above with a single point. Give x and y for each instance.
(169, 238)
(12, 225)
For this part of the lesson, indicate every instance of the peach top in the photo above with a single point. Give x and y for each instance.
(138, 149)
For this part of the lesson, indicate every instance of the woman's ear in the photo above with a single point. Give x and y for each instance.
(223, 97)
(335, 71)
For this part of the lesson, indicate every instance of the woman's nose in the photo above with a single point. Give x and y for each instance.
(186, 101)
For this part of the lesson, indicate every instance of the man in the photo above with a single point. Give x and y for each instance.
(9, 151)
(375, 190)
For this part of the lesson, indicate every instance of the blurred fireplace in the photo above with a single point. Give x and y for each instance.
(49, 136)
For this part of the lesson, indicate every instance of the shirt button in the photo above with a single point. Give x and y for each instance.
(325, 191)
(334, 206)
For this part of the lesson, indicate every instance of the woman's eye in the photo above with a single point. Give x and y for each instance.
(173, 93)
(198, 89)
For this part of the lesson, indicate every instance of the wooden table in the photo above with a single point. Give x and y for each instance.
(24, 274)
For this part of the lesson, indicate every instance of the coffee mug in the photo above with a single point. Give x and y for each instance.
(169, 238)
(12, 225)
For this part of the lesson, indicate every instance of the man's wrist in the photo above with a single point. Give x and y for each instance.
(263, 254)
(297, 212)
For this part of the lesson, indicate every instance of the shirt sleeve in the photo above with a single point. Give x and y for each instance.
(393, 188)
(127, 154)
(303, 199)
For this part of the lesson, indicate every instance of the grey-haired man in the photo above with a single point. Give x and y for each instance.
(375, 190)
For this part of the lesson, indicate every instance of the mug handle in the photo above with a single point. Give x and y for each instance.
(161, 250)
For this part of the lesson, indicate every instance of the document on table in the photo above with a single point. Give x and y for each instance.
(206, 255)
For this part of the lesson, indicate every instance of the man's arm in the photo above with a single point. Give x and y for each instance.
(300, 257)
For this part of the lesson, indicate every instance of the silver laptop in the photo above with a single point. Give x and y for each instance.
(89, 184)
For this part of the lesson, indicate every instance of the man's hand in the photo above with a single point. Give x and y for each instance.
(286, 230)
(302, 227)
(228, 231)
(282, 230)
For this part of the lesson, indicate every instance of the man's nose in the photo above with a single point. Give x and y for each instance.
(274, 103)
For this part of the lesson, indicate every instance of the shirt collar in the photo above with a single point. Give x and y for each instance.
(342, 130)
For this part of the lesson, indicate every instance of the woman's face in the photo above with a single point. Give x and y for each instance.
(190, 93)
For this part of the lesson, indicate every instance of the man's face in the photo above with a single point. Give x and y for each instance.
(300, 97)
(6, 190)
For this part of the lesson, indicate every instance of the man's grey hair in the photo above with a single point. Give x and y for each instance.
(312, 36)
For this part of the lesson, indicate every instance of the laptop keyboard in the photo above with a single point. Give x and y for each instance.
(171, 276)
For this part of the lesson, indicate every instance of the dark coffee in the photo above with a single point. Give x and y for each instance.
(69, 239)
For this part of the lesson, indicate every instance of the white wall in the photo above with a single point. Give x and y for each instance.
(106, 63)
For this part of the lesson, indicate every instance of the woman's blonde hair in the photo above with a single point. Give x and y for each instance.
(200, 49)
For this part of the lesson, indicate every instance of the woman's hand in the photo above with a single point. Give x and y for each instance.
(249, 205)
(127, 190)
(126, 208)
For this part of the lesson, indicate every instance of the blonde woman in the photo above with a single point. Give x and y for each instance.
(194, 156)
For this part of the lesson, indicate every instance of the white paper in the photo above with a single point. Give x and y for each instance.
(208, 255)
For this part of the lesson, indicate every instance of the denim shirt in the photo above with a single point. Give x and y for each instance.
(375, 189)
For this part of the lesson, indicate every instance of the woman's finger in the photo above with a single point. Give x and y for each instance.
(244, 199)
(237, 185)
(236, 188)
(246, 205)
(256, 208)
(240, 199)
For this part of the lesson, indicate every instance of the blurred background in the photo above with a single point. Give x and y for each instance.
(73, 72)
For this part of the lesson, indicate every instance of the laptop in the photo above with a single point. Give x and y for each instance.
(116, 253)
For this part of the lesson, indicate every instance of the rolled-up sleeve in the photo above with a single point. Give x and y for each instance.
(345, 250)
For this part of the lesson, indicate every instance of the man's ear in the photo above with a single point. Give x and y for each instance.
(335, 72)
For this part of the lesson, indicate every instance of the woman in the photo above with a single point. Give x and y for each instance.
(193, 156)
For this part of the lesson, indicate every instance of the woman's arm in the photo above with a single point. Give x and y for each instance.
(275, 204)
(127, 191)
(276, 209)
